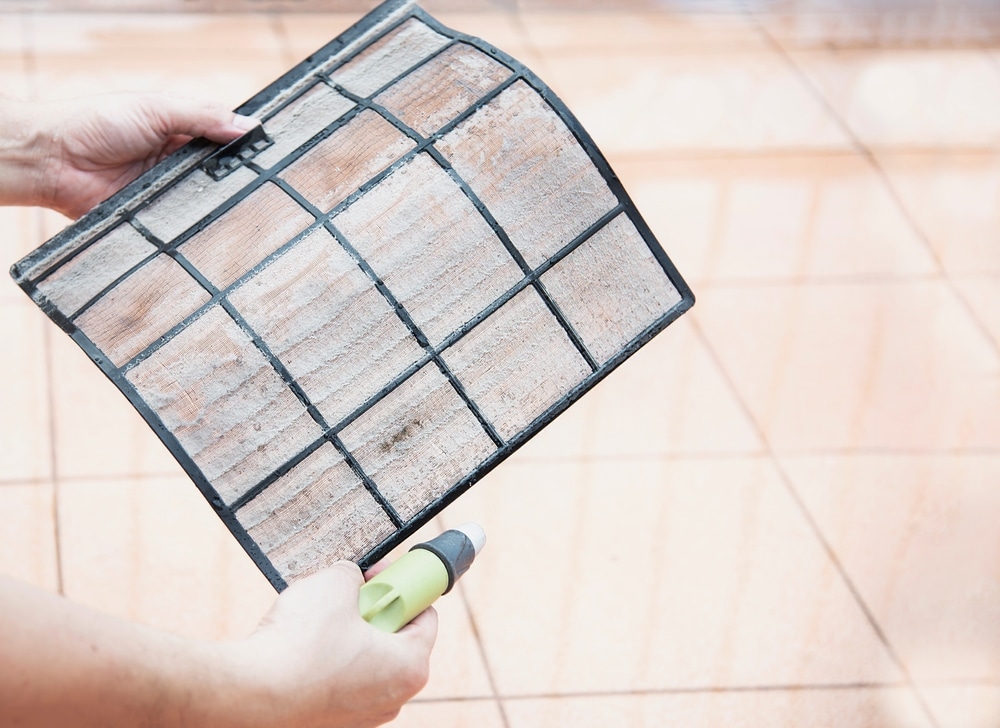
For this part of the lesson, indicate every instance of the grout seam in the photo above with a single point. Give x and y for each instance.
(860, 279)
(714, 690)
(814, 526)
(873, 161)
(50, 407)
(490, 678)
(527, 460)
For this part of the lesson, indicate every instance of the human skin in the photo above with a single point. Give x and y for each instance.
(312, 662)
(71, 155)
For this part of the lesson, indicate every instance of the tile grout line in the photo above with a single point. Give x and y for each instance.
(813, 525)
(845, 279)
(490, 678)
(706, 690)
(879, 170)
(514, 11)
(707, 455)
(864, 280)
(869, 157)
(715, 690)
(48, 354)
(963, 301)
(501, 708)
(53, 461)
(725, 154)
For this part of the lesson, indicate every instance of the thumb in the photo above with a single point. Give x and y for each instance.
(331, 591)
(193, 118)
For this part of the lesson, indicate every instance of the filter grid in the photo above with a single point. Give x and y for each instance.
(429, 261)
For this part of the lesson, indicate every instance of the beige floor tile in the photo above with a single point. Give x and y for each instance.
(954, 199)
(965, 706)
(207, 77)
(153, 551)
(666, 6)
(13, 78)
(27, 539)
(305, 33)
(108, 35)
(644, 576)
(983, 295)
(911, 98)
(457, 668)
(867, 25)
(98, 432)
(612, 29)
(25, 453)
(699, 572)
(52, 223)
(668, 399)
(225, 58)
(789, 218)
(12, 35)
(898, 365)
(917, 535)
(858, 708)
(505, 30)
(440, 7)
(20, 226)
(455, 714)
(642, 102)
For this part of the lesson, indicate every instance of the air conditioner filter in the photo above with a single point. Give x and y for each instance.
(339, 324)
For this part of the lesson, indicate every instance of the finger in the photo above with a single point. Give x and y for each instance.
(412, 650)
(377, 569)
(344, 576)
(422, 629)
(337, 585)
(193, 118)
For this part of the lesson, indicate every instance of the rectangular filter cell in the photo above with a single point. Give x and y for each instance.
(340, 325)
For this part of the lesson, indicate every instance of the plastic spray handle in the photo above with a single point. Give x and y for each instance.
(410, 585)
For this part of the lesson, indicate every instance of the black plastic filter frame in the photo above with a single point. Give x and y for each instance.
(218, 162)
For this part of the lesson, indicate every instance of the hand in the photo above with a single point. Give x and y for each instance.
(71, 155)
(312, 663)
(319, 664)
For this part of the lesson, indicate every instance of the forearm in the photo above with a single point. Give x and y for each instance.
(62, 664)
(312, 663)
(26, 148)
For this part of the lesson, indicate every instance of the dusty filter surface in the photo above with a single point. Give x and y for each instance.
(341, 324)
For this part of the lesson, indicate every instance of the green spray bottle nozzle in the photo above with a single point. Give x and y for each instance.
(410, 585)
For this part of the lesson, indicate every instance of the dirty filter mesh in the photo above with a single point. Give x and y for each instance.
(339, 327)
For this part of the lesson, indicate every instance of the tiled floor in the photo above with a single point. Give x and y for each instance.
(782, 512)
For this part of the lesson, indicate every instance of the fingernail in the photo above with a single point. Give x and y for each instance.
(245, 123)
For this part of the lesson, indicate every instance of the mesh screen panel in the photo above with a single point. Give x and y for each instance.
(338, 328)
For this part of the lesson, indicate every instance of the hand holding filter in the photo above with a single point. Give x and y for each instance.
(411, 584)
